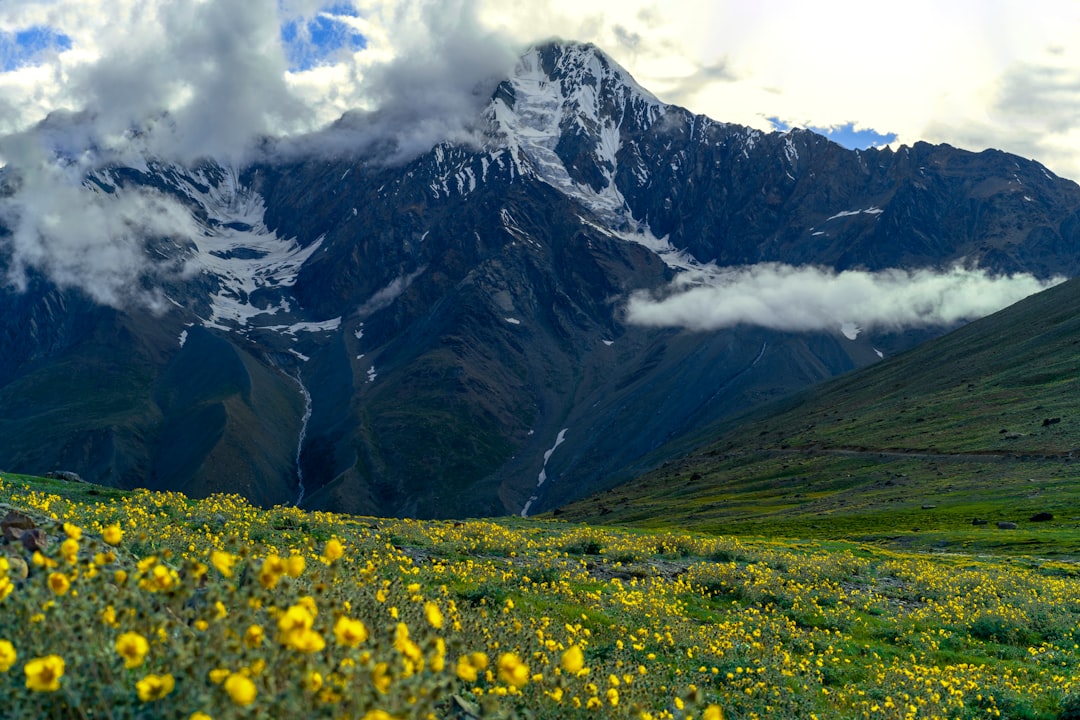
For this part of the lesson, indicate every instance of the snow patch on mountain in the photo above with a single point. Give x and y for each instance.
(311, 327)
(848, 213)
(582, 96)
(571, 100)
(542, 477)
(248, 267)
(240, 251)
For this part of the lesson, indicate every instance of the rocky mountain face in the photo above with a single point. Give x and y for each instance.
(447, 337)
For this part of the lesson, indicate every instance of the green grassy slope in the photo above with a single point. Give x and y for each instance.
(980, 423)
(153, 605)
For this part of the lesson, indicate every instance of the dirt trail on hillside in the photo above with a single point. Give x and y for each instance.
(926, 454)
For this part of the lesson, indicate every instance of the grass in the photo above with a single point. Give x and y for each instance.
(483, 618)
(819, 559)
(978, 424)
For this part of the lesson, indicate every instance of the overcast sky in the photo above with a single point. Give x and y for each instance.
(972, 73)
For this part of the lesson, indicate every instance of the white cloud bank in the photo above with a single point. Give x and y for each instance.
(1004, 74)
(184, 80)
(88, 239)
(804, 299)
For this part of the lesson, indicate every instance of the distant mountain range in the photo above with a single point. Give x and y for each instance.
(447, 336)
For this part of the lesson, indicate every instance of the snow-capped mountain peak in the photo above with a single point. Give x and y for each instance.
(564, 112)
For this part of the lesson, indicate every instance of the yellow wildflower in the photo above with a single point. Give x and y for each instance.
(573, 659)
(437, 660)
(434, 615)
(58, 583)
(513, 671)
(377, 715)
(307, 641)
(350, 632)
(713, 712)
(133, 647)
(113, 534)
(466, 670)
(254, 636)
(161, 579)
(404, 645)
(223, 561)
(295, 630)
(72, 531)
(241, 689)
(70, 550)
(312, 681)
(380, 678)
(155, 687)
(272, 569)
(43, 674)
(309, 602)
(333, 551)
(295, 565)
(8, 656)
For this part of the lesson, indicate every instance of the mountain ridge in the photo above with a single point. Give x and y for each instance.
(977, 424)
(453, 316)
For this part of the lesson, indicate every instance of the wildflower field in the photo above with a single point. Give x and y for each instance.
(152, 605)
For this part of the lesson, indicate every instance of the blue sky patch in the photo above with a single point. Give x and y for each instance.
(30, 46)
(316, 42)
(845, 135)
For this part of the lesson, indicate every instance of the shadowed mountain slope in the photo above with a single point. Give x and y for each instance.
(980, 423)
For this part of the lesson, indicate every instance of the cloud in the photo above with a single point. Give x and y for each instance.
(227, 75)
(201, 79)
(806, 299)
(204, 80)
(428, 70)
(184, 79)
(385, 296)
(87, 239)
(1034, 114)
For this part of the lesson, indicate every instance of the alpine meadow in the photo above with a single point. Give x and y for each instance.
(518, 392)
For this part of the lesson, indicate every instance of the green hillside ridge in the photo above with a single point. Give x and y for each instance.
(152, 605)
(981, 423)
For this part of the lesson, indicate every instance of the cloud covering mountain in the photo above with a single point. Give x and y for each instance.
(1005, 75)
(806, 299)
